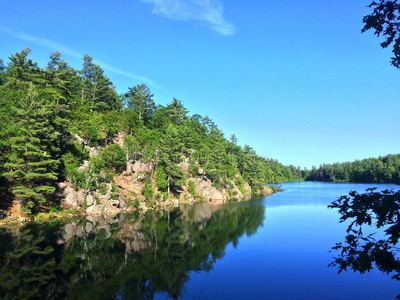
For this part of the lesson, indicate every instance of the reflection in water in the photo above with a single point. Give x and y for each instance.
(125, 256)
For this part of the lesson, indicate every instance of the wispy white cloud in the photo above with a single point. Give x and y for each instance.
(208, 11)
(55, 46)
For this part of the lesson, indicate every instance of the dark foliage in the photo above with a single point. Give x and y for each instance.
(361, 252)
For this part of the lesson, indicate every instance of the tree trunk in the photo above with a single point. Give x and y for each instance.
(168, 188)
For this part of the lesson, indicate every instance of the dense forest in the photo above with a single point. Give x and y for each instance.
(48, 114)
(385, 169)
(51, 117)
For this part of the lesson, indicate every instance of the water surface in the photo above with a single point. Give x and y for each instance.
(272, 248)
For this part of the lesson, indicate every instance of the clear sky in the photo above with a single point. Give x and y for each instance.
(296, 80)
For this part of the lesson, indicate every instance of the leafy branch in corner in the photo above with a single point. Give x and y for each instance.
(360, 252)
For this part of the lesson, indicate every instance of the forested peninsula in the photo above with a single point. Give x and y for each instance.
(68, 140)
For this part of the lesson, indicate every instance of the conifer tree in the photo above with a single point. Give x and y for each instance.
(171, 154)
(140, 99)
(176, 111)
(30, 165)
(62, 88)
(23, 69)
(97, 89)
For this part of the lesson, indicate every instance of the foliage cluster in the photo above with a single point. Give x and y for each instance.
(361, 252)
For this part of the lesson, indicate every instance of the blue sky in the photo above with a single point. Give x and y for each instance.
(296, 80)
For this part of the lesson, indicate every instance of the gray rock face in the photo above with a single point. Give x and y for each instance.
(76, 200)
(73, 198)
(139, 167)
(90, 200)
(210, 193)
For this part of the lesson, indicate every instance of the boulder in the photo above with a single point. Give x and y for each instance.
(210, 193)
(90, 200)
(73, 198)
(184, 166)
(88, 227)
(141, 177)
(139, 167)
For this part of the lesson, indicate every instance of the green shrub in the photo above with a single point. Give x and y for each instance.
(147, 190)
(93, 136)
(194, 170)
(71, 163)
(113, 157)
(161, 179)
(114, 191)
(102, 188)
(192, 188)
(240, 185)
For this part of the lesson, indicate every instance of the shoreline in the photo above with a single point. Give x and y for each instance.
(71, 213)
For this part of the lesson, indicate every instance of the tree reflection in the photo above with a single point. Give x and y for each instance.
(131, 256)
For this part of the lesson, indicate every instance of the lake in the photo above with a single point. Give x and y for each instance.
(271, 248)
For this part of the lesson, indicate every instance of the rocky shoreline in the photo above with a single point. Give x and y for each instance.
(125, 191)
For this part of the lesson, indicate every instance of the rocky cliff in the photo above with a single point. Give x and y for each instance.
(124, 192)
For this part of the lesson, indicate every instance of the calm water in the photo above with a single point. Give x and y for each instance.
(273, 248)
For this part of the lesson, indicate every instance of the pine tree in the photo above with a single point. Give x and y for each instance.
(97, 89)
(62, 88)
(171, 154)
(140, 99)
(24, 70)
(176, 111)
(30, 165)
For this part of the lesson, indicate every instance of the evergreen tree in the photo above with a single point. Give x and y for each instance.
(23, 70)
(30, 164)
(140, 99)
(171, 154)
(97, 89)
(177, 113)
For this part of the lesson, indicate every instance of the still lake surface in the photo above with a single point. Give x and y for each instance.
(272, 248)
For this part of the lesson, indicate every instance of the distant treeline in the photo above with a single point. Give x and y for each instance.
(384, 169)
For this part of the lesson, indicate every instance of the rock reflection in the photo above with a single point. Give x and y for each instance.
(133, 256)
